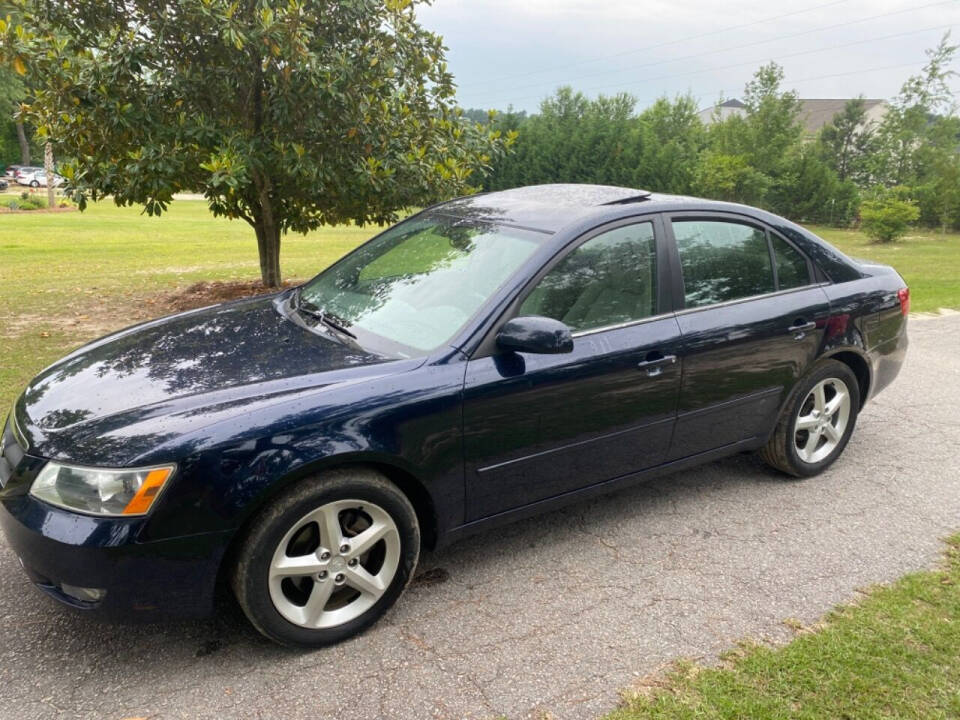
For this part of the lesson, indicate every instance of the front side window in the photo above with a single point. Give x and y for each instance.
(608, 280)
(416, 285)
(722, 261)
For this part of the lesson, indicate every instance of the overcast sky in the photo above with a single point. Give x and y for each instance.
(504, 52)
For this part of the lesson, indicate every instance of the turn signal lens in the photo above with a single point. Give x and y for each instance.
(148, 492)
(99, 491)
(903, 295)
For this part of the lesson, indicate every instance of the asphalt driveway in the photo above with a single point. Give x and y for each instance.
(555, 614)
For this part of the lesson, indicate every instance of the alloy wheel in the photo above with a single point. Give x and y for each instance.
(822, 420)
(334, 564)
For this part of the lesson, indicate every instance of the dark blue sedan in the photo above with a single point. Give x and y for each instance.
(484, 360)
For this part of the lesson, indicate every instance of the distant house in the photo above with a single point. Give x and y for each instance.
(722, 111)
(814, 112)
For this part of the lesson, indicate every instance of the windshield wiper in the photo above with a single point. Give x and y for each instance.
(321, 315)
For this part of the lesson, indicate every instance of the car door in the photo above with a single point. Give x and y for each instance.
(537, 426)
(752, 318)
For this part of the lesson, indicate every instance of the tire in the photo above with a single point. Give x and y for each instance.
(295, 589)
(803, 444)
(34, 184)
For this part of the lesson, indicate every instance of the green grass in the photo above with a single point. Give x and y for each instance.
(894, 655)
(927, 260)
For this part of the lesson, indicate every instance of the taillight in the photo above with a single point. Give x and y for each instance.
(903, 295)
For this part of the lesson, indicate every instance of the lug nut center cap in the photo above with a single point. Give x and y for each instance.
(338, 563)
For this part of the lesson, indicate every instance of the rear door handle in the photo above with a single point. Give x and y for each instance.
(654, 365)
(799, 329)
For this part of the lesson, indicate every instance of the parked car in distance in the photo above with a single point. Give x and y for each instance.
(24, 174)
(39, 179)
(486, 359)
(4, 184)
(11, 171)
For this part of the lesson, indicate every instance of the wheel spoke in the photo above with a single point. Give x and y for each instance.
(296, 566)
(831, 432)
(331, 535)
(835, 402)
(368, 538)
(319, 596)
(806, 422)
(359, 579)
(819, 398)
(813, 439)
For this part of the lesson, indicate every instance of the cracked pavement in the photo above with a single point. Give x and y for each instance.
(556, 614)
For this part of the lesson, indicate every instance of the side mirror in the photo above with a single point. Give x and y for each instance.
(535, 334)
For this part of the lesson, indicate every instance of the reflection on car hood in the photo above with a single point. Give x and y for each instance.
(116, 396)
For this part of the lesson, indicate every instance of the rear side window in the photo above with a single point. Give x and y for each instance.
(792, 270)
(722, 261)
(608, 280)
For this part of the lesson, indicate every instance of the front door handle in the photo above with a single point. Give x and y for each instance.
(654, 363)
(799, 328)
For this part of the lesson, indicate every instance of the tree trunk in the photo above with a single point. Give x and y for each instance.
(24, 144)
(268, 245)
(268, 231)
(48, 173)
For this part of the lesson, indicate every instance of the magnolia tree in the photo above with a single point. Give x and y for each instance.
(287, 114)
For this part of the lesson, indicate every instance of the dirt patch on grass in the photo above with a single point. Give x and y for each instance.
(210, 293)
(91, 317)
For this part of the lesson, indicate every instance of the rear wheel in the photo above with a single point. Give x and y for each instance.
(327, 558)
(816, 425)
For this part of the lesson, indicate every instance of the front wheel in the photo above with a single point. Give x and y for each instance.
(34, 184)
(327, 558)
(818, 422)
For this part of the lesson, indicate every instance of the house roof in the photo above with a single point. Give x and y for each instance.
(814, 112)
(817, 112)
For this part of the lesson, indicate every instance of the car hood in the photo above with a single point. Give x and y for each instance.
(113, 400)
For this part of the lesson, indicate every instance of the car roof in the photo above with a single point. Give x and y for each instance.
(546, 208)
(550, 208)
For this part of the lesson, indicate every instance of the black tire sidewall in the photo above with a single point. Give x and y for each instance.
(829, 369)
(253, 560)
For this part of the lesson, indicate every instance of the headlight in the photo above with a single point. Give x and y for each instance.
(98, 491)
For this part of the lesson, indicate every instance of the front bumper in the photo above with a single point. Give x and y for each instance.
(61, 551)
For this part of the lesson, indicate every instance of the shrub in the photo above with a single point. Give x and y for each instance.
(27, 203)
(886, 219)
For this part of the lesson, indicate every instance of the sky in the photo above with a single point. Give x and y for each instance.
(517, 52)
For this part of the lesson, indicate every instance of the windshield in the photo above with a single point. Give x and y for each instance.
(417, 284)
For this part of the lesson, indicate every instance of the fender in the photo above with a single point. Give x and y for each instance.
(842, 339)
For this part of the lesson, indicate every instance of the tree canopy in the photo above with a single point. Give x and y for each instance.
(762, 156)
(288, 114)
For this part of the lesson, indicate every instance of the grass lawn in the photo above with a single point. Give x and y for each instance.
(894, 655)
(928, 261)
